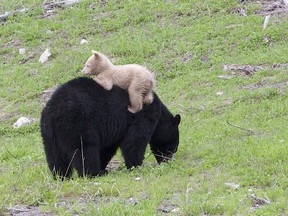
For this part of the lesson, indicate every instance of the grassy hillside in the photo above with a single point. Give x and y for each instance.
(215, 65)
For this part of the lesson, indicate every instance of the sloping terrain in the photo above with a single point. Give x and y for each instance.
(221, 64)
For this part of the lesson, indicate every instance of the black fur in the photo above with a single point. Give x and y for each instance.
(82, 122)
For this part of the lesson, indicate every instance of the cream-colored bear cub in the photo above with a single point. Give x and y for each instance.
(136, 79)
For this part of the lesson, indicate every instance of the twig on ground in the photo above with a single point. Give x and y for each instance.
(189, 108)
(51, 5)
(266, 21)
(260, 201)
(4, 16)
(9, 151)
(247, 130)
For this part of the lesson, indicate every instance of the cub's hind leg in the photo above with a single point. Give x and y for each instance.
(135, 96)
(147, 91)
(148, 97)
(135, 101)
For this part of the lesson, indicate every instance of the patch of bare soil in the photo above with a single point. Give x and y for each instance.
(187, 57)
(14, 42)
(5, 115)
(168, 208)
(278, 8)
(232, 71)
(244, 70)
(48, 93)
(262, 84)
(21, 210)
(113, 165)
(249, 70)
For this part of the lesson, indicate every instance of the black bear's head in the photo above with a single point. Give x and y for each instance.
(165, 140)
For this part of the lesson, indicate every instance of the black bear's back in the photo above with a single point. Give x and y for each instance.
(80, 108)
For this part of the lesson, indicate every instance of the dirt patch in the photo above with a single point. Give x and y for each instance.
(249, 70)
(245, 70)
(48, 93)
(4, 113)
(26, 59)
(168, 208)
(21, 210)
(273, 7)
(264, 84)
(277, 8)
(14, 42)
(5, 117)
(187, 57)
(113, 165)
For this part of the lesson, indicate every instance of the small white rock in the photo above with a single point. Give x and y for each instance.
(224, 77)
(21, 122)
(45, 56)
(250, 190)
(22, 51)
(49, 32)
(219, 93)
(83, 41)
(175, 210)
(137, 179)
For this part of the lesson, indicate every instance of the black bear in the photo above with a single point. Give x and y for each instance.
(83, 125)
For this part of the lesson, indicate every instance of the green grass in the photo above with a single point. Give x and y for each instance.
(186, 43)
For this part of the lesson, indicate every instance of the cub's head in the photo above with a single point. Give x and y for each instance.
(165, 140)
(96, 64)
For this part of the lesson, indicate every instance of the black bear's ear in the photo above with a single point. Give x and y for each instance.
(177, 119)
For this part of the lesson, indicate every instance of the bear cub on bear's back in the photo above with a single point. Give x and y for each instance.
(135, 78)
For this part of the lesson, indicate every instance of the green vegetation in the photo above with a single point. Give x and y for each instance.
(186, 43)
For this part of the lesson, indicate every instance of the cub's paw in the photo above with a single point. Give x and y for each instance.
(148, 99)
(107, 87)
(132, 109)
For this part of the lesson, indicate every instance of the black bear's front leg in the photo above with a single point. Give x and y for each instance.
(135, 142)
(133, 151)
(106, 155)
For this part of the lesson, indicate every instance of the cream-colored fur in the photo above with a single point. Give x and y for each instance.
(136, 79)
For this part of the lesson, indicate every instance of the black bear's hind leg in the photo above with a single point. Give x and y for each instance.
(58, 162)
(62, 168)
(87, 161)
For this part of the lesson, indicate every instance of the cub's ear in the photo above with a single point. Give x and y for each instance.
(177, 119)
(95, 53)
